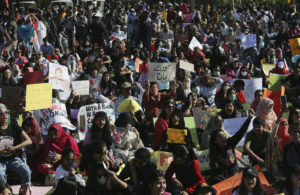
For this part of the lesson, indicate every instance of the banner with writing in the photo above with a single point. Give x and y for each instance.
(55, 114)
(59, 77)
(81, 87)
(195, 43)
(248, 40)
(87, 113)
(251, 85)
(161, 72)
(38, 96)
(186, 66)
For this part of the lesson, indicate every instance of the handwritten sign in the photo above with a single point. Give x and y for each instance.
(295, 46)
(195, 43)
(251, 85)
(81, 87)
(186, 66)
(87, 113)
(59, 77)
(248, 41)
(161, 72)
(57, 113)
(38, 96)
(176, 136)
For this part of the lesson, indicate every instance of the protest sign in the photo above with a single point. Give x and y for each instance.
(195, 43)
(226, 186)
(176, 136)
(232, 125)
(163, 16)
(202, 117)
(33, 77)
(130, 64)
(86, 114)
(267, 68)
(59, 77)
(81, 87)
(186, 66)
(248, 41)
(57, 113)
(161, 72)
(251, 85)
(11, 96)
(275, 81)
(188, 17)
(295, 46)
(163, 85)
(38, 96)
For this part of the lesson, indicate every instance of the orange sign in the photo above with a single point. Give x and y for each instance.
(295, 46)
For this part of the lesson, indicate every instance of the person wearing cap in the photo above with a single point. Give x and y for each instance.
(250, 183)
(125, 92)
(234, 68)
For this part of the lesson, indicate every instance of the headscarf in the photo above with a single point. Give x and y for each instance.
(270, 117)
(280, 60)
(35, 131)
(65, 140)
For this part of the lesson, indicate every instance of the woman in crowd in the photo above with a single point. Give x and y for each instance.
(221, 94)
(187, 169)
(232, 94)
(94, 78)
(100, 130)
(265, 111)
(57, 141)
(258, 96)
(294, 115)
(250, 183)
(222, 157)
(162, 124)
(234, 68)
(108, 87)
(129, 140)
(155, 184)
(244, 73)
(193, 101)
(229, 110)
(5, 189)
(7, 78)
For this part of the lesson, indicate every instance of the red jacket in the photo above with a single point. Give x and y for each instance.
(189, 182)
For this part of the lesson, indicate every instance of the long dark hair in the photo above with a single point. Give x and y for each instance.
(221, 93)
(181, 124)
(163, 113)
(182, 151)
(258, 189)
(213, 147)
(228, 101)
(104, 85)
(103, 133)
(151, 179)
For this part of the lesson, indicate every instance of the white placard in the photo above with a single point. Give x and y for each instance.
(186, 66)
(248, 40)
(161, 72)
(195, 43)
(81, 87)
(251, 85)
(59, 77)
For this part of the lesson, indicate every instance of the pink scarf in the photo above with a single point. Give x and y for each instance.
(270, 117)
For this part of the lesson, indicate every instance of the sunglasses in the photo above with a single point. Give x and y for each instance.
(4, 113)
(171, 107)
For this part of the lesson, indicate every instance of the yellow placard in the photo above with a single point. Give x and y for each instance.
(267, 67)
(164, 15)
(295, 46)
(176, 136)
(38, 96)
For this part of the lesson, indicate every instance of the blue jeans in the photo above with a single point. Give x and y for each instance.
(18, 166)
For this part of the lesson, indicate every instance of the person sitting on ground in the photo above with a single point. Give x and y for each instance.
(187, 169)
(255, 142)
(138, 168)
(258, 96)
(229, 110)
(291, 185)
(250, 183)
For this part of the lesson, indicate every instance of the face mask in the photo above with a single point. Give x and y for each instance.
(244, 73)
(233, 97)
(101, 180)
(273, 60)
(140, 46)
(196, 90)
(226, 88)
(280, 65)
(217, 74)
(179, 44)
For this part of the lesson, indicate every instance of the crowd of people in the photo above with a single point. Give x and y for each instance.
(95, 44)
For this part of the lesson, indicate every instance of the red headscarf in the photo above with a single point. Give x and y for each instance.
(35, 131)
(280, 61)
(65, 140)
